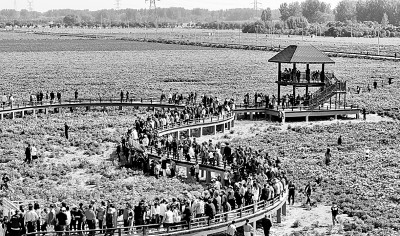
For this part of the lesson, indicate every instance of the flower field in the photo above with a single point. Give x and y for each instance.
(366, 189)
(147, 70)
(79, 169)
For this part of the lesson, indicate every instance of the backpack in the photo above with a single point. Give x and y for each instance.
(15, 222)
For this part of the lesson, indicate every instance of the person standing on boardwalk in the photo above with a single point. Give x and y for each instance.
(127, 96)
(308, 191)
(266, 224)
(335, 212)
(122, 96)
(66, 128)
(231, 230)
(76, 94)
(292, 189)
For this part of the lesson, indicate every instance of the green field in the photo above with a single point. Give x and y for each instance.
(104, 67)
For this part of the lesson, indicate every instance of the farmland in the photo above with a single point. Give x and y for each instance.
(366, 189)
(95, 66)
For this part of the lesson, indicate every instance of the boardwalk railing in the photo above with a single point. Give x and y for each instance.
(220, 220)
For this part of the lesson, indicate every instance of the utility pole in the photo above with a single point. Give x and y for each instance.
(30, 5)
(118, 4)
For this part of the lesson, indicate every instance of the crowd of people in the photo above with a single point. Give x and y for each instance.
(295, 76)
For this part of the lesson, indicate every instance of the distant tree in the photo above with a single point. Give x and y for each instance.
(284, 10)
(312, 10)
(385, 20)
(71, 20)
(295, 9)
(345, 10)
(266, 15)
(295, 22)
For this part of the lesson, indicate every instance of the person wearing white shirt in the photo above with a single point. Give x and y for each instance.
(155, 211)
(163, 209)
(34, 152)
(30, 219)
(168, 218)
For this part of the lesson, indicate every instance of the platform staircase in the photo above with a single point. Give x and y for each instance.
(8, 207)
(330, 89)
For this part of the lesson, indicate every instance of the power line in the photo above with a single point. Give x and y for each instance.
(15, 5)
(152, 16)
(256, 4)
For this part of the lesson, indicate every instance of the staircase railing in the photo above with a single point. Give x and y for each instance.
(8, 207)
(324, 93)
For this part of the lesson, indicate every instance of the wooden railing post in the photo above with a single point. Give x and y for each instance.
(241, 212)
(119, 232)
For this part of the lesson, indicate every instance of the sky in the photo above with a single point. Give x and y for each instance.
(45, 5)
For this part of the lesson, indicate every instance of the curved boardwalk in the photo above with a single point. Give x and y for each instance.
(198, 226)
(24, 107)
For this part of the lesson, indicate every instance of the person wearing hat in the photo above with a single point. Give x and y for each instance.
(61, 221)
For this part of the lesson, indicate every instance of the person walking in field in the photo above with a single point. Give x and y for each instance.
(292, 189)
(247, 228)
(266, 224)
(231, 230)
(308, 191)
(328, 156)
(339, 141)
(335, 212)
(28, 154)
(66, 128)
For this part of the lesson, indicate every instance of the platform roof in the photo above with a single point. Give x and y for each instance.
(304, 54)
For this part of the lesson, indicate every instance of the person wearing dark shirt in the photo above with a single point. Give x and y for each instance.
(76, 94)
(209, 210)
(66, 128)
(264, 193)
(15, 224)
(28, 154)
(187, 214)
(335, 212)
(308, 191)
(339, 141)
(266, 224)
(228, 153)
(292, 189)
(61, 218)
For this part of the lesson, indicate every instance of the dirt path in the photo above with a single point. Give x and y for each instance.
(247, 129)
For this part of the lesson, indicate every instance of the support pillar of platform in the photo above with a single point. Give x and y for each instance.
(88, 108)
(223, 128)
(188, 172)
(214, 129)
(279, 216)
(12, 115)
(201, 132)
(358, 116)
(46, 110)
(306, 118)
(284, 209)
(34, 112)
(233, 124)
(178, 134)
(22, 114)
(208, 177)
(335, 117)
(251, 115)
(1, 116)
